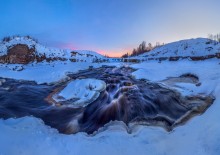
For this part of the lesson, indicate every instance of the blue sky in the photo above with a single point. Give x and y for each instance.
(108, 26)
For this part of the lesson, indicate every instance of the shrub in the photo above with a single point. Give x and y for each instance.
(6, 39)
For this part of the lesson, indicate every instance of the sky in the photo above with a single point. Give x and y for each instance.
(110, 27)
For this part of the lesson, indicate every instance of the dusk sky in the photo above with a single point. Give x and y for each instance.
(109, 27)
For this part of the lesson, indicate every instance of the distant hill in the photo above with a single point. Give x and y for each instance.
(23, 50)
(196, 49)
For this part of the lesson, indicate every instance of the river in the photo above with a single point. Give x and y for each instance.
(135, 102)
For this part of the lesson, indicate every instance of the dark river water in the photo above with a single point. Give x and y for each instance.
(125, 99)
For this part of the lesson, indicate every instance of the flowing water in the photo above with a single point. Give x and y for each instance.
(125, 99)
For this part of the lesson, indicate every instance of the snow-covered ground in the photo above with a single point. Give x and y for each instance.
(200, 136)
(43, 72)
(46, 72)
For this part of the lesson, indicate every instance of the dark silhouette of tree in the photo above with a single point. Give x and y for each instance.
(134, 52)
(6, 39)
(150, 47)
(142, 48)
(125, 55)
(215, 37)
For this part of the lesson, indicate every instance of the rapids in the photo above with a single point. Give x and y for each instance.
(135, 102)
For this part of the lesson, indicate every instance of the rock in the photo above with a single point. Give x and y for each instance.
(174, 58)
(132, 60)
(19, 54)
(72, 60)
(163, 58)
(198, 84)
(218, 55)
(198, 58)
(76, 96)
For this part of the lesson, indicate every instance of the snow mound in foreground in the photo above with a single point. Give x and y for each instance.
(81, 91)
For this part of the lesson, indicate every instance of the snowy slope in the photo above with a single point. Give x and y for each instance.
(184, 48)
(49, 52)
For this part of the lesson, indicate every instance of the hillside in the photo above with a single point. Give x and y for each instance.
(24, 50)
(200, 48)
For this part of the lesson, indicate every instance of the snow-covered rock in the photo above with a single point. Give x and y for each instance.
(81, 92)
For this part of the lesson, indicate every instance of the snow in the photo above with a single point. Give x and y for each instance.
(43, 72)
(186, 88)
(46, 72)
(189, 47)
(2, 81)
(14, 41)
(82, 55)
(207, 71)
(201, 135)
(84, 91)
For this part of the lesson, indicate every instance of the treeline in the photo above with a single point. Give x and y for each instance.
(215, 37)
(142, 48)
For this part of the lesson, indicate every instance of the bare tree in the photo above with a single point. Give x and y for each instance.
(215, 37)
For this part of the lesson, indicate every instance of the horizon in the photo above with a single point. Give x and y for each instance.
(99, 52)
(86, 25)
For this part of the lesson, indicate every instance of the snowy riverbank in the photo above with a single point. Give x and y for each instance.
(201, 135)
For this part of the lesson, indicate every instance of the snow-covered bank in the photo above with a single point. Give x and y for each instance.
(42, 72)
(201, 135)
(46, 72)
(207, 71)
